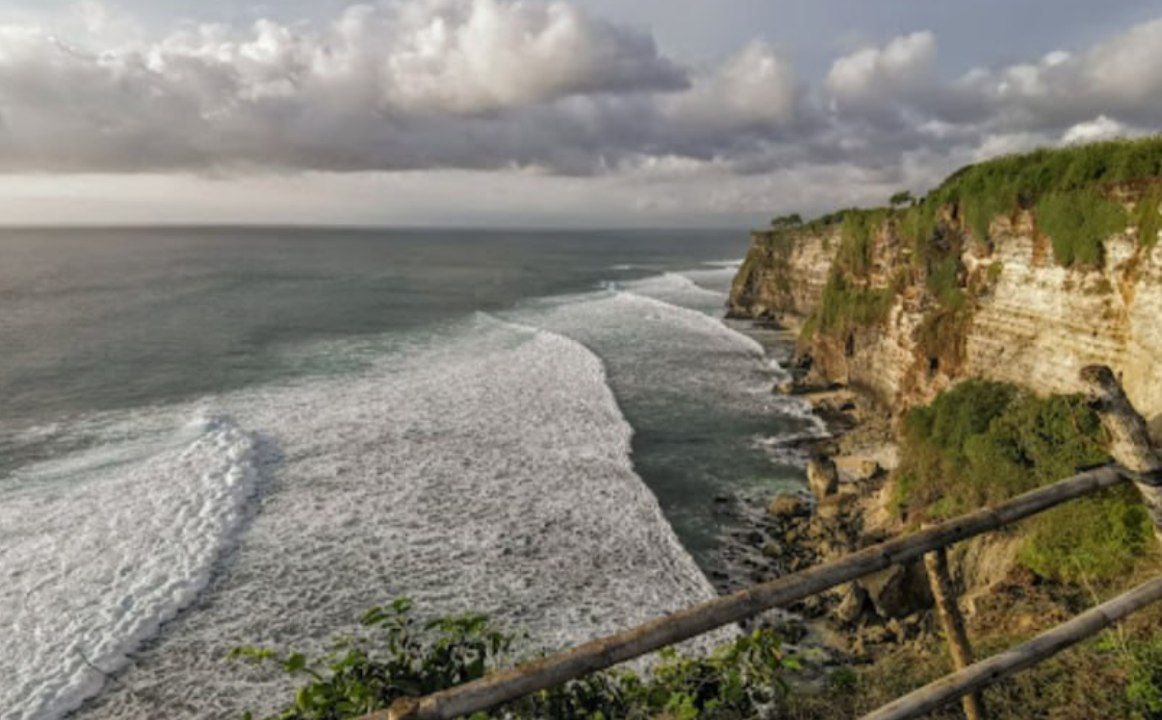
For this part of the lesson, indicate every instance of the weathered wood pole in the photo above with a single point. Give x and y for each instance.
(1130, 443)
(1042, 647)
(944, 594)
(601, 653)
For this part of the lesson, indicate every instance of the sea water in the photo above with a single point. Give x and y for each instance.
(218, 437)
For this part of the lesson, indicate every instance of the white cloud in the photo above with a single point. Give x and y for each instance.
(542, 86)
(1100, 128)
(401, 84)
(881, 75)
(755, 86)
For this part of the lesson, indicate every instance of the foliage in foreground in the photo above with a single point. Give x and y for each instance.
(396, 656)
(982, 442)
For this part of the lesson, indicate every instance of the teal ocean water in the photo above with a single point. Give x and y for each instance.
(219, 436)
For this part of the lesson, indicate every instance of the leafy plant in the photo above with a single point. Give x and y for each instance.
(1097, 537)
(396, 657)
(982, 442)
(1144, 689)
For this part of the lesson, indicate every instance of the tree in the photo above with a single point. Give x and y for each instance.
(902, 198)
(783, 222)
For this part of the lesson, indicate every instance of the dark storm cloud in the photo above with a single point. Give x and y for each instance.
(484, 84)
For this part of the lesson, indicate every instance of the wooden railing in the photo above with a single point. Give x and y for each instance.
(547, 672)
(1140, 463)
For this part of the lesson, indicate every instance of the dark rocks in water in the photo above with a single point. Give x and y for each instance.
(774, 549)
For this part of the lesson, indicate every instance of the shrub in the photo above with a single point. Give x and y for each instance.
(858, 232)
(982, 442)
(944, 282)
(395, 657)
(844, 307)
(1096, 537)
(787, 221)
(1144, 690)
(998, 186)
(1148, 217)
(1078, 223)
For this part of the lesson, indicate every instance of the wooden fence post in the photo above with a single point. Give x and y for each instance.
(944, 593)
(1130, 443)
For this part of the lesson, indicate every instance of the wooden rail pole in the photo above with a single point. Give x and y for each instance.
(944, 594)
(605, 652)
(1130, 443)
(978, 675)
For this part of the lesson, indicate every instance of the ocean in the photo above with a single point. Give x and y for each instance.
(221, 436)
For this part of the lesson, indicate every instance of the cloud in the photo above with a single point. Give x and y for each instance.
(542, 87)
(395, 85)
(1100, 128)
(876, 76)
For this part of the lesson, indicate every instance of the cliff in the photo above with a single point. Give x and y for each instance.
(1025, 284)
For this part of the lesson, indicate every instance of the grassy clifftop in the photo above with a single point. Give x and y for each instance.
(915, 251)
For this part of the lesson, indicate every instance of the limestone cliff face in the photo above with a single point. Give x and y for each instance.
(1042, 323)
(1028, 321)
(783, 273)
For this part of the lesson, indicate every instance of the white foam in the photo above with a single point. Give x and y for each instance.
(483, 468)
(99, 548)
(677, 289)
(695, 320)
(718, 280)
(488, 472)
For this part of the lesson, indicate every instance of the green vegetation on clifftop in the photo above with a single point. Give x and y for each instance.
(1077, 173)
(1077, 223)
(1071, 191)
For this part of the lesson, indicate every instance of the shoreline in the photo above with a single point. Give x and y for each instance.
(835, 513)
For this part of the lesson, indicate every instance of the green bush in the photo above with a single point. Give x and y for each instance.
(982, 442)
(858, 233)
(1078, 223)
(1097, 537)
(1148, 218)
(396, 657)
(999, 186)
(943, 281)
(1144, 690)
(844, 307)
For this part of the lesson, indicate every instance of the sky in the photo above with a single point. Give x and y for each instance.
(581, 113)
